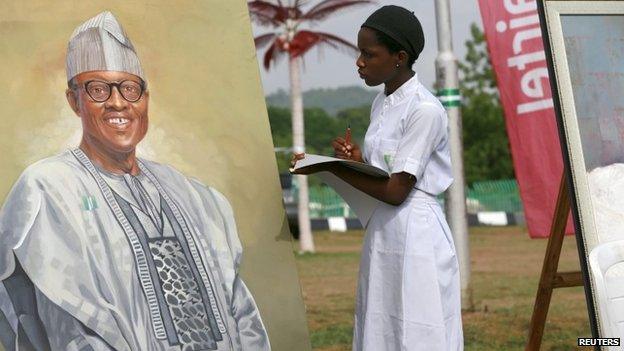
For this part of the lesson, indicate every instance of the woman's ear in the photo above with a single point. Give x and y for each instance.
(403, 57)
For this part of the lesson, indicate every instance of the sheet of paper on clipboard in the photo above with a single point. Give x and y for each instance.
(362, 204)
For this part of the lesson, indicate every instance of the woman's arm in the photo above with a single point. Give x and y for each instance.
(423, 129)
(392, 191)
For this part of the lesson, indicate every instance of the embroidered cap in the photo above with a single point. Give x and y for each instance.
(100, 44)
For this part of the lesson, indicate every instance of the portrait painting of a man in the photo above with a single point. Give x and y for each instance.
(103, 250)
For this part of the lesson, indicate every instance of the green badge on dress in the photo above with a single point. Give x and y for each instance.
(389, 159)
(89, 203)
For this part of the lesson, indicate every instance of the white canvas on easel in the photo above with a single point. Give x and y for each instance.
(583, 45)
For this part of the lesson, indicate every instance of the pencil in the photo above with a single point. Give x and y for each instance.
(348, 135)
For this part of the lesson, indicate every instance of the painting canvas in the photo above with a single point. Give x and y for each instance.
(186, 249)
(585, 51)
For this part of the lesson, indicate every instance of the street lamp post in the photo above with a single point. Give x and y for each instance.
(448, 93)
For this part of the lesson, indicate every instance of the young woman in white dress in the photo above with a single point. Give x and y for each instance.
(408, 295)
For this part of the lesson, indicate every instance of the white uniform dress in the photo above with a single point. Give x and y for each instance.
(408, 294)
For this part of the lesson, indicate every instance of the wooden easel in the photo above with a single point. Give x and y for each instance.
(550, 278)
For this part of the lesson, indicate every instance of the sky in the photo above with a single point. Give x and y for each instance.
(330, 68)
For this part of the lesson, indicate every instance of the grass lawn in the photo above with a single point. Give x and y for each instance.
(505, 271)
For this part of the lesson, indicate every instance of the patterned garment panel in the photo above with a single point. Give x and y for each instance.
(183, 296)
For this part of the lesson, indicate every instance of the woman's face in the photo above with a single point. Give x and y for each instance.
(376, 65)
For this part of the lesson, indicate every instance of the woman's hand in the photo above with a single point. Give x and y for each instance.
(296, 157)
(307, 170)
(347, 150)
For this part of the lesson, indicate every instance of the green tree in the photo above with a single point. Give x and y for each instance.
(332, 100)
(486, 147)
(321, 129)
(356, 117)
(281, 130)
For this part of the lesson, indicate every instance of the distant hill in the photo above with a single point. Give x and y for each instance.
(331, 100)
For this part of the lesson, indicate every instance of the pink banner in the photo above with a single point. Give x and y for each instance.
(516, 50)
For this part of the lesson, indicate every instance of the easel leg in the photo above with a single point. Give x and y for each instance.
(549, 269)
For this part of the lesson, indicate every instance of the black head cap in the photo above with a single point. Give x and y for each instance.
(401, 25)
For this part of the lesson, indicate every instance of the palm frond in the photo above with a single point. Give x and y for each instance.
(272, 55)
(329, 7)
(268, 56)
(339, 44)
(299, 3)
(276, 15)
(266, 13)
(263, 39)
(305, 40)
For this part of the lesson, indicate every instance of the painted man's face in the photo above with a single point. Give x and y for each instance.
(114, 126)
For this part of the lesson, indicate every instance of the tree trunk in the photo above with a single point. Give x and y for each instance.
(306, 241)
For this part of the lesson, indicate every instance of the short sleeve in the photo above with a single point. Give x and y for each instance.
(423, 129)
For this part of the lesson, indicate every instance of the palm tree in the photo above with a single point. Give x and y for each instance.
(289, 39)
